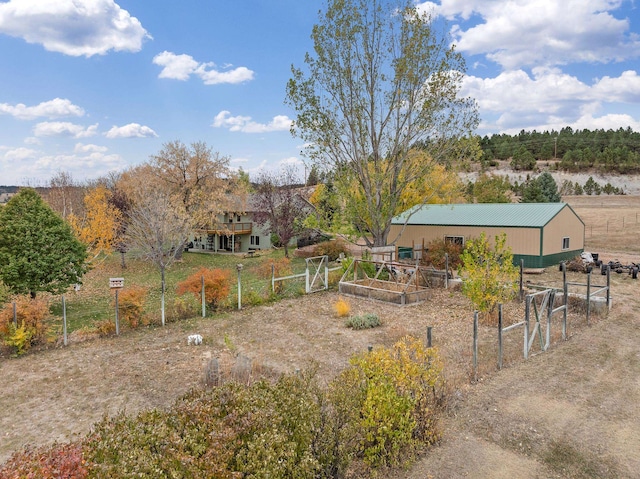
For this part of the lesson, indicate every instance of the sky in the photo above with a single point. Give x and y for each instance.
(89, 87)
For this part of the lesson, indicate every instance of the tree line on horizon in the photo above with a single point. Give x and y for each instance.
(605, 151)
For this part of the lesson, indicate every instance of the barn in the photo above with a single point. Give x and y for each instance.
(541, 234)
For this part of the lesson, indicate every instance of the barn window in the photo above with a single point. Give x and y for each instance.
(457, 240)
(565, 243)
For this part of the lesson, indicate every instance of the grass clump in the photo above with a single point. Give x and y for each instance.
(363, 321)
(342, 308)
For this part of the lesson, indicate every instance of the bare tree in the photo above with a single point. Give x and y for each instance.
(64, 195)
(156, 230)
(278, 205)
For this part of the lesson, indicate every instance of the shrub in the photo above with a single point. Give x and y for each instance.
(106, 327)
(488, 274)
(363, 321)
(332, 249)
(342, 308)
(56, 462)
(182, 308)
(398, 394)
(19, 338)
(217, 284)
(32, 315)
(261, 430)
(436, 251)
(131, 305)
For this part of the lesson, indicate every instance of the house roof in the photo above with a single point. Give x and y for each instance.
(524, 215)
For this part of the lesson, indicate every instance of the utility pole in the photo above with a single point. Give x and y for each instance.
(555, 148)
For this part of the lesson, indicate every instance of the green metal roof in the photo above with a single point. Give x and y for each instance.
(525, 215)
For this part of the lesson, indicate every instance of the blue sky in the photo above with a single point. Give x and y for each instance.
(92, 86)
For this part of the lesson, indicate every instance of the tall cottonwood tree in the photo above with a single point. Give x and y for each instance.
(382, 79)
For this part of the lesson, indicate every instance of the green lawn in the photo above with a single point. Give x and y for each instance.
(94, 302)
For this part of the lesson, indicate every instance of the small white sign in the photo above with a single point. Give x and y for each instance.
(116, 283)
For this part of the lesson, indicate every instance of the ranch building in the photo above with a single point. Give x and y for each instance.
(541, 234)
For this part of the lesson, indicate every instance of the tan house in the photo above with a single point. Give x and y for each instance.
(233, 232)
(542, 234)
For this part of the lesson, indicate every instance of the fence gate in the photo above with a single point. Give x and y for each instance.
(539, 307)
(317, 274)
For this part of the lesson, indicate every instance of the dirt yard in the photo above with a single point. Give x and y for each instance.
(571, 411)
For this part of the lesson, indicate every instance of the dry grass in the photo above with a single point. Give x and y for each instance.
(612, 223)
(579, 397)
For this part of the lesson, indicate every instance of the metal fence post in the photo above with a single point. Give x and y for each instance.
(117, 315)
(64, 321)
(239, 268)
(429, 329)
(204, 308)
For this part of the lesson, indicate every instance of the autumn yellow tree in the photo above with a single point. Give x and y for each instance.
(423, 181)
(99, 226)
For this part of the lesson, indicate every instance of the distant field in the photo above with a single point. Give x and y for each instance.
(612, 223)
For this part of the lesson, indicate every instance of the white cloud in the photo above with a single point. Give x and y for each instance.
(32, 140)
(132, 130)
(625, 88)
(56, 108)
(550, 99)
(516, 33)
(72, 27)
(64, 128)
(20, 154)
(92, 164)
(181, 67)
(89, 148)
(247, 125)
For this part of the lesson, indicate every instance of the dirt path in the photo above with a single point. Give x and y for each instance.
(572, 412)
(569, 412)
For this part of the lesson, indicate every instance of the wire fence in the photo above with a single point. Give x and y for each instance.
(95, 313)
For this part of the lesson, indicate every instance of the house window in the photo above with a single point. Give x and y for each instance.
(457, 240)
(565, 243)
(255, 240)
(238, 218)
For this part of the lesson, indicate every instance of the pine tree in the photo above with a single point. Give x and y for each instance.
(38, 251)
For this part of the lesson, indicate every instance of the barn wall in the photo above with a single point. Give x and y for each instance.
(522, 241)
(564, 224)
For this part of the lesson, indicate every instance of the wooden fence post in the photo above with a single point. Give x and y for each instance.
(475, 346)
(500, 336)
(588, 296)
